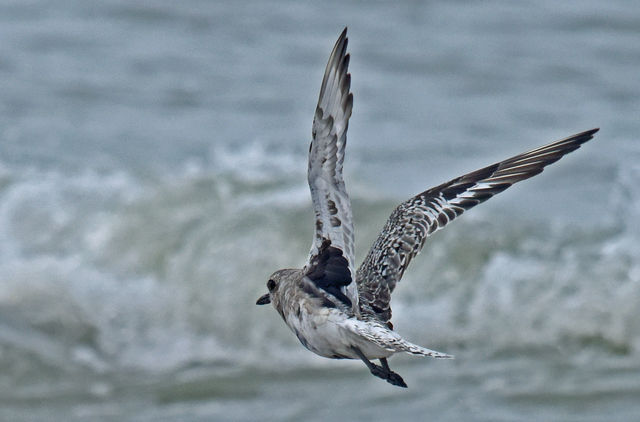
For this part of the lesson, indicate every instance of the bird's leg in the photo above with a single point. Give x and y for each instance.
(393, 378)
(381, 371)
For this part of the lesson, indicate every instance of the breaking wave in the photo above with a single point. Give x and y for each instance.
(121, 272)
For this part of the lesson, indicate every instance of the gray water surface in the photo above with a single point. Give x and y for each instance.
(152, 176)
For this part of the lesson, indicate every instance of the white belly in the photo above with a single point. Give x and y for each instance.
(325, 333)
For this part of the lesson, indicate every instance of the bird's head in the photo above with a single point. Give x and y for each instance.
(278, 286)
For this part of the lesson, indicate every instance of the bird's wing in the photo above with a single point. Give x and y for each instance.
(331, 260)
(414, 220)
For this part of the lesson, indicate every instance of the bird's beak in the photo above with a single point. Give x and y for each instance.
(263, 300)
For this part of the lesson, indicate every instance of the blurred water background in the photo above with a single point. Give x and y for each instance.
(152, 176)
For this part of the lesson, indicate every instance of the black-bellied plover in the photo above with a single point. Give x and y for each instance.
(337, 312)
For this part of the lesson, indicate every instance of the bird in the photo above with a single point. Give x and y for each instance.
(338, 312)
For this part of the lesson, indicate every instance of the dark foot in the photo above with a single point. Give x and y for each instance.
(389, 376)
(381, 371)
(396, 379)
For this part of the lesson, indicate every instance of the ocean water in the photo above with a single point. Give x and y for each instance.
(152, 176)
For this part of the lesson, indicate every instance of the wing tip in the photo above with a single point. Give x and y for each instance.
(589, 132)
(582, 137)
(341, 44)
(338, 60)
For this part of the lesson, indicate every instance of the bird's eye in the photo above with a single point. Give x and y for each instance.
(271, 285)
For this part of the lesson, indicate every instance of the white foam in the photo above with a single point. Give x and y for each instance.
(160, 266)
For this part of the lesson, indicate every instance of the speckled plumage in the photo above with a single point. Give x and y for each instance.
(414, 220)
(336, 312)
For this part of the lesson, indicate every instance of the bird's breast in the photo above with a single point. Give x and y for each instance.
(319, 329)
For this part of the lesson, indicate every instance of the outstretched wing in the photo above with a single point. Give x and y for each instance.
(331, 260)
(414, 220)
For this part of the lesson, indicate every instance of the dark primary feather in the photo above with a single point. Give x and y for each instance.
(414, 220)
(331, 202)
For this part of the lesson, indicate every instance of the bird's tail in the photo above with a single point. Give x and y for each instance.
(390, 340)
(414, 349)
